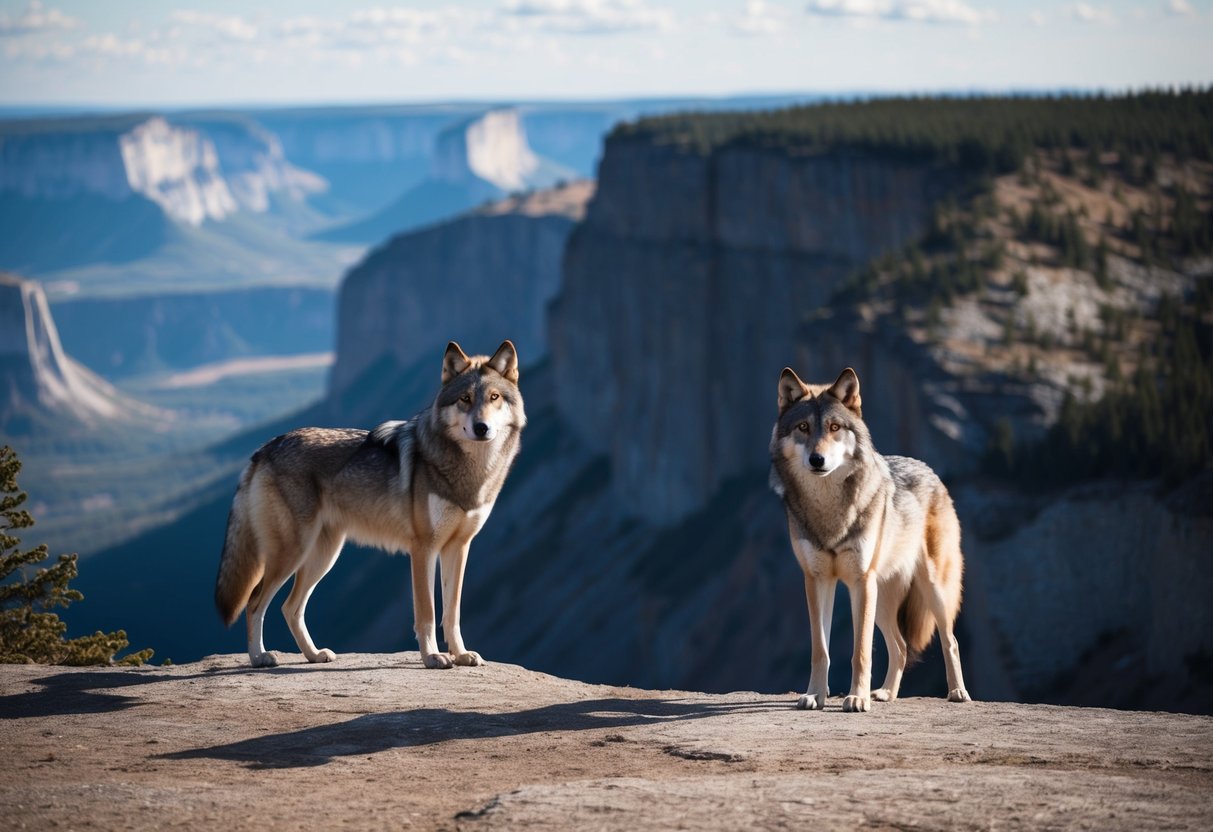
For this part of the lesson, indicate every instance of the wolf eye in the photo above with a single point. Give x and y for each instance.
(466, 398)
(494, 397)
(803, 427)
(835, 427)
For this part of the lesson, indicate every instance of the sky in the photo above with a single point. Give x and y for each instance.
(127, 53)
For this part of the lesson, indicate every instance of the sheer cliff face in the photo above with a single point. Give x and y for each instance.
(659, 364)
(180, 168)
(38, 381)
(478, 279)
(491, 148)
(254, 166)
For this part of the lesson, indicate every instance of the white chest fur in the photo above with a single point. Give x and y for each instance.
(448, 520)
(846, 564)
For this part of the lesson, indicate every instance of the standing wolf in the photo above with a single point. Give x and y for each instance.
(424, 486)
(884, 525)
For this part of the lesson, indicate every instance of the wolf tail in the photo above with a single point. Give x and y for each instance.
(941, 573)
(240, 566)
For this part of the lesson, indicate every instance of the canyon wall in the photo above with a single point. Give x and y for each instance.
(473, 161)
(191, 175)
(705, 267)
(477, 279)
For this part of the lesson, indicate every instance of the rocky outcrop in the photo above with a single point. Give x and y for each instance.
(176, 169)
(39, 383)
(706, 267)
(478, 279)
(491, 148)
(192, 175)
(253, 164)
(479, 159)
(503, 747)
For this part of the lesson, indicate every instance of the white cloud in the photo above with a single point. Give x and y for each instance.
(401, 35)
(34, 51)
(36, 19)
(589, 17)
(760, 18)
(1180, 7)
(1092, 14)
(921, 11)
(112, 46)
(233, 27)
(1037, 18)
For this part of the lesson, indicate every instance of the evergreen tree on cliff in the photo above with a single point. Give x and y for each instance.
(29, 633)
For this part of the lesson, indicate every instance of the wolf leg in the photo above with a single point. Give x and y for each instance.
(947, 640)
(255, 616)
(454, 561)
(424, 567)
(863, 616)
(886, 619)
(316, 564)
(819, 592)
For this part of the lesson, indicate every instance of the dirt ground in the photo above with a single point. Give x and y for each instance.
(378, 742)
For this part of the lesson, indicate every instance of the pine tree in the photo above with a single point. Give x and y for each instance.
(29, 632)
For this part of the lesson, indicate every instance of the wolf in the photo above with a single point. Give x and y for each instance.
(423, 486)
(883, 525)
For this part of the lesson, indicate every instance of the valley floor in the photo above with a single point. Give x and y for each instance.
(377, 742)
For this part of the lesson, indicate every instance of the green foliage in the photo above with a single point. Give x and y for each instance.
(980, 133)
(29, 632)
(1157, 425)
(1192, 229)
(1101, 264)
(1063, 232)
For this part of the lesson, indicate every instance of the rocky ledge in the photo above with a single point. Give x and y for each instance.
(376, 741)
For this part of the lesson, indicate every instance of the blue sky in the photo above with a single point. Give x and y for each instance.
(176, 52)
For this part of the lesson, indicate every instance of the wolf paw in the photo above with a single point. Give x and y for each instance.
(469, 659)
(811, 702)
(263, 660)
(438, 661)
(959, 695)
(883, 695)
(857, 704)
(324, 655)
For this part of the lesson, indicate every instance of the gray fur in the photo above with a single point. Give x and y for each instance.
(884, 526)
(424, 486)
(830, 518)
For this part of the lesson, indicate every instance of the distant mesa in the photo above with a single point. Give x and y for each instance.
(112, 189)
(193, 176)
(480, 159)
(41, 387)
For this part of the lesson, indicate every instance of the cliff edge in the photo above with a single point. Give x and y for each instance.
(376, 741)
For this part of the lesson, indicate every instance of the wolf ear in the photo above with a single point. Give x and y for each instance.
(454, 362)
(846, 390)
(791, 389)
(505, 361)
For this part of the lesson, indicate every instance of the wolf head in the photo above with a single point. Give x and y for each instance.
(479, 399)
(820, 427)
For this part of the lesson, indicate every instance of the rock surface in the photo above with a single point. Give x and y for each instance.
(674, 246)
(194, 176)
(479, 159)
(478, 279)
(377, 742)
(39, 382)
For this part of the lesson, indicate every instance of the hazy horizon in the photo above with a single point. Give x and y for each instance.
(72, 55)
